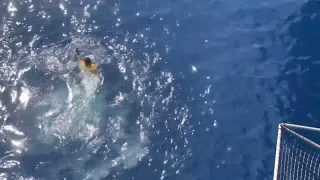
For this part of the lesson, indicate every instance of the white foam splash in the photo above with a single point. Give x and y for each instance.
(12, 9)
(9, 164)
(19, 145)
(25, 96)
(11, 129)
(71, 109)
(194, 68)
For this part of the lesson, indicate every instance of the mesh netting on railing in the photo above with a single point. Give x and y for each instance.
(297, 157)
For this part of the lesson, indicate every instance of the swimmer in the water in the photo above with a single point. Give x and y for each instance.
(86, 65)
(87, 68)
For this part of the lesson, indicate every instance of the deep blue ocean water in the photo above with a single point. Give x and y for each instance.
(192, 90)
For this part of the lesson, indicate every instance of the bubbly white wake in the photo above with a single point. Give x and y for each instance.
(52, 118)
(59, 108)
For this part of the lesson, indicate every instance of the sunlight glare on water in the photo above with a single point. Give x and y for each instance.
(182, 93)
(52, 111)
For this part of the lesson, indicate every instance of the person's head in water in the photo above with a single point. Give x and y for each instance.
(87, 61)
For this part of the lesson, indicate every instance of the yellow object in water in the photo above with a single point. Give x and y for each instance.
(92, 68)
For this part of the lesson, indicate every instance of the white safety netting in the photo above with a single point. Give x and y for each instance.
(297, 157)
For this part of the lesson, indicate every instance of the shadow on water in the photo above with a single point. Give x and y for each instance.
(301, 71)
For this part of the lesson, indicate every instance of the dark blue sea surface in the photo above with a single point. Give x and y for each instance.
(191, 90)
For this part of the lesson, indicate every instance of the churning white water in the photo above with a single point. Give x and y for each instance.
(62, 107)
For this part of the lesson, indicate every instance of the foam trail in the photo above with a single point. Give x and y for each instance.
(68, 108)
(70, 97)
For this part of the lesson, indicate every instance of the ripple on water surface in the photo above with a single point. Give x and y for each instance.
(185, 89)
